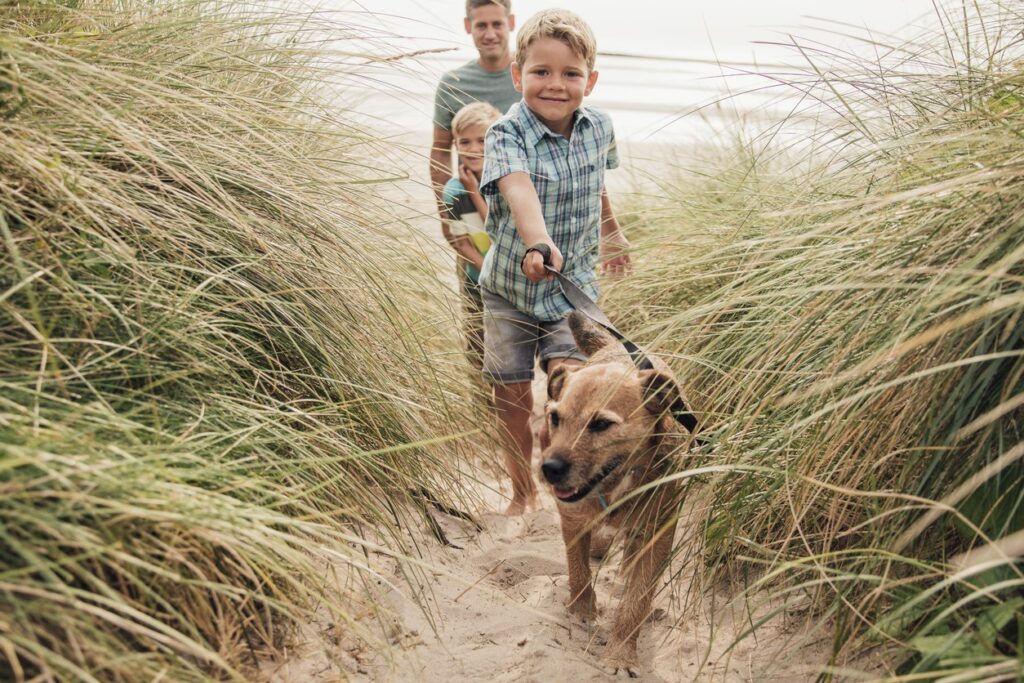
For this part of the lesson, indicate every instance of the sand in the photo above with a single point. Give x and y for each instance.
(495, 611)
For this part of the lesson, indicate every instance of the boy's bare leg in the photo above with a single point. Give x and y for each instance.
(514, 405)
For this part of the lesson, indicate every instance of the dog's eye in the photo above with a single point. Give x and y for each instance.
(599, 424)
(554, 418)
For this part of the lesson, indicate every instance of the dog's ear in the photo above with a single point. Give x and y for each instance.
(556, 381)
(662, 396)
(589, 337)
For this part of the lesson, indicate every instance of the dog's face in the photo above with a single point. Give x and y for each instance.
(603, 420)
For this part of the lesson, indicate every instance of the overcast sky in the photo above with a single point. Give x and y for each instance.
(697, 28)
(647, 98)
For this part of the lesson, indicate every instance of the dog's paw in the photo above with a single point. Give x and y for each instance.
(621, 662)
(584, 607)
(584, 613)
(619, 669)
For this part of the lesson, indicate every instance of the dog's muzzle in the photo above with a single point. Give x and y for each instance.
(555, 469)
(582, 492)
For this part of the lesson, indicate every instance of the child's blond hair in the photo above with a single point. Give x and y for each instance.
(474, 114)
(473, 4)
(560, 24)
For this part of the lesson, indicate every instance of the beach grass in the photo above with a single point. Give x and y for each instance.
(844, 301)
(214, 381)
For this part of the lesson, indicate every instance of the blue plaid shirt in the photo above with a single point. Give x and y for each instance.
(569, 178)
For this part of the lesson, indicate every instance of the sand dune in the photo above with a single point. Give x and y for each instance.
(499, 615)
(496, 612)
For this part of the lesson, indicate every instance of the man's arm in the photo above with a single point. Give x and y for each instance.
(523, 202)
(440, 172)
(614, 245)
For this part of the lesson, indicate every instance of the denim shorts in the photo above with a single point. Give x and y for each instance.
(512, 339)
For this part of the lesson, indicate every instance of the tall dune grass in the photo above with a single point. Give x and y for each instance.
(214, 370)
(845, 304)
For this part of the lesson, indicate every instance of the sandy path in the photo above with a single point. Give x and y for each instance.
(496, 612)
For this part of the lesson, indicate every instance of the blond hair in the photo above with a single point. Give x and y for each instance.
(474, 114)
(562, 25)
(473, 4)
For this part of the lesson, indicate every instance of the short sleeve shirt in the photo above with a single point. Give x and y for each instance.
(568, 175)
(472, 83)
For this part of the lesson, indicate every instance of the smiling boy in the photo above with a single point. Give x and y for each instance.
(544, 165)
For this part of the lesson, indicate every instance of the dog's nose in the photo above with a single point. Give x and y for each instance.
(555, 469)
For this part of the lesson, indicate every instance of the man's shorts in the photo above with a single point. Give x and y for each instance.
(512, 339)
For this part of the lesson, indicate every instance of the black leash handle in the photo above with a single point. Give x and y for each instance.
(542, 248)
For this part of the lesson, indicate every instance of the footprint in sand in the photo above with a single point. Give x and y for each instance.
(512, 569)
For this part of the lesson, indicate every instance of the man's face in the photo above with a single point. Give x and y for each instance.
(490, 27)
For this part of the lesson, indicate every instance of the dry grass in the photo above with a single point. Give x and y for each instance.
(211, 372)
(848, 314)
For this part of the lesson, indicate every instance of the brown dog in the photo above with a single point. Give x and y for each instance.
(612, 432)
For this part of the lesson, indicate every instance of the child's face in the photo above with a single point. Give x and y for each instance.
(470, 144)
(554, 80)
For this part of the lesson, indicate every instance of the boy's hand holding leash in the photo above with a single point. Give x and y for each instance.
(537, 257)
(614, 258)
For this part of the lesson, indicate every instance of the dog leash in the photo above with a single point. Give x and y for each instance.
(579, 300)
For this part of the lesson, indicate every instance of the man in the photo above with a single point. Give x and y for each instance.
(485, 79)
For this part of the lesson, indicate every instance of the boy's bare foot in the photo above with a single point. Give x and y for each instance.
(515, 509)
(519, 507)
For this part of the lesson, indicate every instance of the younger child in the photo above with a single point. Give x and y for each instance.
(465, 212)
(544, 180)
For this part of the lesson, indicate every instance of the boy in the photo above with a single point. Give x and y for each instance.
(465, 211)
(544, 179)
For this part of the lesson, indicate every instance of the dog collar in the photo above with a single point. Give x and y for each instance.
(603, 502)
